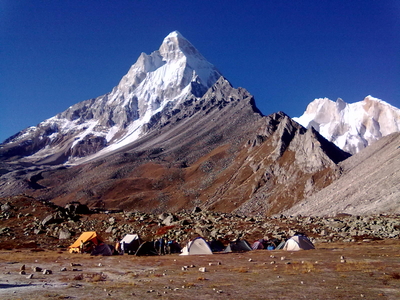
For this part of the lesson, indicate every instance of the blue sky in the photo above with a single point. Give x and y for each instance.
(54, 54)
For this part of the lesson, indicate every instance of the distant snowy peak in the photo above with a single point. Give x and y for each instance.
(353, 126)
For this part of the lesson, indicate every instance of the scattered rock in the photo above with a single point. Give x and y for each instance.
(64, 234)
(196, 210)
(75, 265)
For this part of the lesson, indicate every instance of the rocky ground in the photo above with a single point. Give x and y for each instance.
(360, 270)
(26, 222)
(355, 256)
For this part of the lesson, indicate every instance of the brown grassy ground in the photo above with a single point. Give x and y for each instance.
(371, 271)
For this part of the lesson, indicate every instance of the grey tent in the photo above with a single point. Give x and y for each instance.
(146, 249)
(130, 243)
(238, 246)
(102, 249)
(216, 246)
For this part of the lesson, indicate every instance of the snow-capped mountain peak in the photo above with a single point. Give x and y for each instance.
(353, 126)
(157, 81)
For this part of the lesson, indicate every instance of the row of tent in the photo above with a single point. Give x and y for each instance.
(200, 246)
(90, 242)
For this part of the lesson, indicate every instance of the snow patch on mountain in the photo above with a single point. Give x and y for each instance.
(354, 126)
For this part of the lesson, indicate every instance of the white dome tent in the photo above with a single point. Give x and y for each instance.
(198, 246)
(298, 242)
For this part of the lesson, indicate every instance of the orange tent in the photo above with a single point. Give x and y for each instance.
(89, 236)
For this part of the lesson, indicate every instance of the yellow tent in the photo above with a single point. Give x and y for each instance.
(89, 236)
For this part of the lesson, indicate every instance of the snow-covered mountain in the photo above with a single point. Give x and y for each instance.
(173, 135)
(155, 82)
(354, 126)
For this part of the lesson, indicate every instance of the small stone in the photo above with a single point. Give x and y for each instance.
(36, 269)
(22, 268)
(63, 269)
(202, 269)
(272, 262)
(30, 276)
(75, 265)
(47, 272)
(22, 272)
(283, 258)
(250, 260)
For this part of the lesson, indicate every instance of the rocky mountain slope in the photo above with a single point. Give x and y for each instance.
(352, 127)
(370, 184)
(217, 152)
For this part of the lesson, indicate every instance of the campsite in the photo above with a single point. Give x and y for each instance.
(368, 270)
(354, 257)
